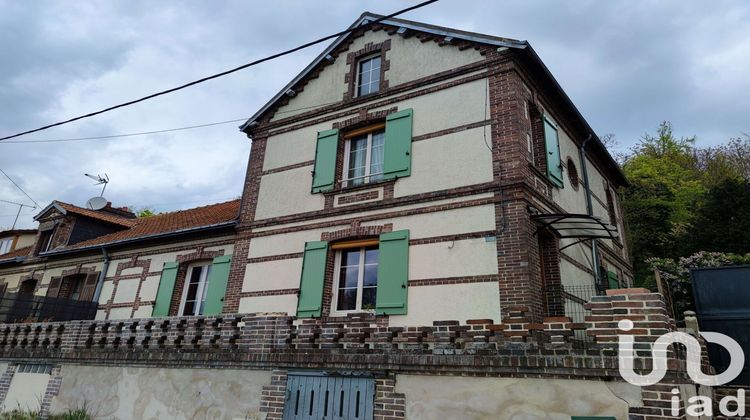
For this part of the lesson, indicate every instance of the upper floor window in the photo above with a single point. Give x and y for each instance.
(194, 293)
(45, 240)
(5, 245)
(356, 279)
(363, 156)
(368, 75)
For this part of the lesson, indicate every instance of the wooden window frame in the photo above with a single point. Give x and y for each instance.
(358, 74)
(338, 250)
(369, 131)
(202, 287)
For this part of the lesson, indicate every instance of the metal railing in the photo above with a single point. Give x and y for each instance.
(20, 308)
(569, 301)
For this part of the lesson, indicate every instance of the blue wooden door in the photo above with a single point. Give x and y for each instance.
(315, 396)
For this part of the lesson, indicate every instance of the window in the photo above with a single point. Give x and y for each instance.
(356, 279)
(611, 206)
(572, 173)
(368, 75)
(196, 285)
(5, 245)
(45, 240)
(363, 157)
(552, 146)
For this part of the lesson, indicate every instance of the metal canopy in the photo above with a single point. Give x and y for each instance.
(579, 226)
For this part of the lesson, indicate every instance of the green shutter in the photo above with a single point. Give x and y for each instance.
(324, 173)
(552, 145)
(217, 285)
(166, 288)
(397, 148)
(393, 273)
(311, 284)
(612, 278)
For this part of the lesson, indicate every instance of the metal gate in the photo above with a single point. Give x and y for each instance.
(722, 303)
(316, 395)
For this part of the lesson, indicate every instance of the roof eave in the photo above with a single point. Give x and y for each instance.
(393, 22)
(618, 171)
(179, 232)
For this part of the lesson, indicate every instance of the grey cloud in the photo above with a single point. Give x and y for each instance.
(626, 64)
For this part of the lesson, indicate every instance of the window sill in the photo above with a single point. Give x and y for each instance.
(543, 176)
(362, 187)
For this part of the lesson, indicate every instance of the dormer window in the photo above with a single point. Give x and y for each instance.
(363, 156)
(368, 75)
(45, 240)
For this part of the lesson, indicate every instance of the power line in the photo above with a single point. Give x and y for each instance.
(217, 75)
(19, 187)
(167, 130)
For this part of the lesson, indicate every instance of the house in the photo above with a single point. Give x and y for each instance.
(14, 239)
(109, 264)
(419, 201)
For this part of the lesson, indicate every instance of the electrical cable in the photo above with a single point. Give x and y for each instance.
(166, 130)
(217, 75)
(19, 187)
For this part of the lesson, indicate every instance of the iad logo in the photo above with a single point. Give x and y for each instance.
(702, 404)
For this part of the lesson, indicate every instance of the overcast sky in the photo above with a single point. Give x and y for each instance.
(626, 64)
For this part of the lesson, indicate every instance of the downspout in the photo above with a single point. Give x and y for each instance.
(102, 275)
(590, 209)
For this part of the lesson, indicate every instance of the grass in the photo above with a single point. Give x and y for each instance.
(77, 414)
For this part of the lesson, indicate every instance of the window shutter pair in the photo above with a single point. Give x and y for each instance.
(217, 286)
(393, 275)
(552, 145)
(397, 152)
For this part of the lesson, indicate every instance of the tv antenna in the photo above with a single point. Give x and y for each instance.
(100, 180)
(20, 207)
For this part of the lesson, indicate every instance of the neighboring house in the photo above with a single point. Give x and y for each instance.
(16, 239)
(415, 239)
(147, 262)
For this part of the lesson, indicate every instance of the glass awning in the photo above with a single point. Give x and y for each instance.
(579, 226)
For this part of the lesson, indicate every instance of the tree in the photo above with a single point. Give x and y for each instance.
(669, 161)
(648, 210)
(723, 222)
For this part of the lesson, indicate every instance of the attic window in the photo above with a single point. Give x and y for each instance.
(368, 75)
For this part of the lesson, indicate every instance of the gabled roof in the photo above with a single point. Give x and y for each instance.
(13, 232)
(16, 253)
(104, 216)
(368, 17)
(176, 222)
(522, 46)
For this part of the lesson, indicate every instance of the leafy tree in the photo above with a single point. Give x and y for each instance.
(723, 222)
(648, 210)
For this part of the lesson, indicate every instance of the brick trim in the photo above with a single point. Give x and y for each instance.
(489, 278)
(409, 93)
(53, 388)
(355, 232)
(454, 237)
(451, 193)
(342, 108)
(374, 217)
(452, 130)
(5, 380)
(277, 257)
(352, 59)
(275, 292)
(273, 396)
(288, 167)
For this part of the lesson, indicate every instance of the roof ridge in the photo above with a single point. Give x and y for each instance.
(168, 213)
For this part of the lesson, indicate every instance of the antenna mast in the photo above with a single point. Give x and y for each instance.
(20, 207)
(99, 181)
